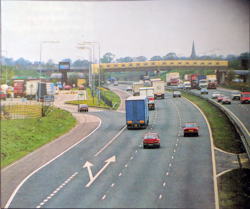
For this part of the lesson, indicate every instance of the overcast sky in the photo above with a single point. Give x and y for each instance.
(130, 28)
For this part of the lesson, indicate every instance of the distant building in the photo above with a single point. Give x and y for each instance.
(193, 55)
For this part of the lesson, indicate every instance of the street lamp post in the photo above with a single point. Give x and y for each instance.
(43, 42)
(91, 43)
(90, 58)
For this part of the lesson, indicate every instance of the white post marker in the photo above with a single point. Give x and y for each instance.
(88, 165)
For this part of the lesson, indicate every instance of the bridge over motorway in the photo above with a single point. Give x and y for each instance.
(220, 67)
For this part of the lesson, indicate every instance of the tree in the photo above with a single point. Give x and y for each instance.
(234, 64)
(140, 59)
(108, 58)
(170, 56)
(73, 78)
(155, 58)
(125, 59)
(230, 75)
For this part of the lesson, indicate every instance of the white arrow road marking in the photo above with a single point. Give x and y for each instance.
(88, 165)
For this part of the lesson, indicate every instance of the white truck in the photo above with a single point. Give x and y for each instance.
(31, 89)
(187, 85)
(149, 93)
(172, 75)
(159, 89)
(136, 87)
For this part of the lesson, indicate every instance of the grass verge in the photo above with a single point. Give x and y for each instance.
(224, 133)
(20, 137)
(234, 189)
(94, 102)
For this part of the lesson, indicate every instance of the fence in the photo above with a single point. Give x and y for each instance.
(20, 111)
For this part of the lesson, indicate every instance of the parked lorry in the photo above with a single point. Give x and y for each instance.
(6, 89)
(159, 89)
(50, 88)
(201, 82)
(149, 93)
(137, 114)
(193, 81)
(31, 89)
(59, 85)
(171, 75)
(211, 81)
(136, 87)
(19, 88)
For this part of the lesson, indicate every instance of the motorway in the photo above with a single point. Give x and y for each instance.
(110, 168)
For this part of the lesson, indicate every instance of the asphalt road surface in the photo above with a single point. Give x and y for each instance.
(110, 168)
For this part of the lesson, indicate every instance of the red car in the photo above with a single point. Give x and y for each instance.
(245, 97)
(83, 107)
(81, 87)
(68, 87)
(151, 140)
(220, 97)
(226, 100)
(191, 129)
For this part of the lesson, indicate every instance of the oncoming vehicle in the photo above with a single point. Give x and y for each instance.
(191, 128)
(235, 95)
(187, 85)
(115, 84)
(151, 140)
(226, 100)
(245, 97)
(204, 91)
(129, 88)
(215, 94)
(176, 94)
(220, 97)
(83, 107)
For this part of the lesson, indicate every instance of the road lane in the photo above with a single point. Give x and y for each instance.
(179, 174)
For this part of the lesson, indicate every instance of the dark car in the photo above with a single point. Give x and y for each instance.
(81, 87)
(83, 107)
(151, 140)
(191, 128)
(176, 94)
(226, 100)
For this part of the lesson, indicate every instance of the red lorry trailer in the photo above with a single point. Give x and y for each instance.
(193, 81)
(19, 88)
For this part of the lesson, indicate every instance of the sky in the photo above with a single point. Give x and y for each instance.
(123, 28)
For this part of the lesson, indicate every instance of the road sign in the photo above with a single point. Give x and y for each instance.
(49, 98)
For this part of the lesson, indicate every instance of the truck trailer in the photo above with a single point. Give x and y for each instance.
(31, 89)
(193, 81)
(137, 114)
(149, 93)
(19, 88)
(211, 81)
(159, 89)
(201, 82)
(136, 87)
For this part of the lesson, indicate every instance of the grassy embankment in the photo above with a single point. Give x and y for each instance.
(234, 186)
(94, 102)
(22, 136)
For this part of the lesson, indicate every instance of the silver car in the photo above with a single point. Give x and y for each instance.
(236, 95)
(215, 94)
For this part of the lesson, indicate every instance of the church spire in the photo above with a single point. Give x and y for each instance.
(193, 55)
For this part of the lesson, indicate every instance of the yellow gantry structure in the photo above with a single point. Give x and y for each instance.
(163, 65)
